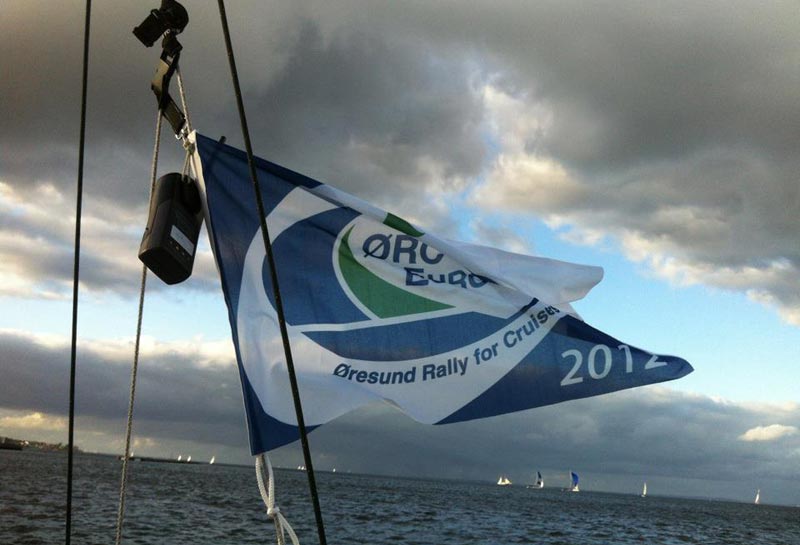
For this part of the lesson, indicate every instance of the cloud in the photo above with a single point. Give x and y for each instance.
(386, 117)
(186, 390)
(663, 130)
(37, 230)
(691, 218)
(768, 433)
(191, 403)
(33, 421)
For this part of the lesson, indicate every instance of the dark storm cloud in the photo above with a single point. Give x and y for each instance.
(354, 89)
(678, 120)
(658, 433)
(382, 116)
(652, 431)
(372, 108)
(628, 81)
(176, 397)
(41, 106)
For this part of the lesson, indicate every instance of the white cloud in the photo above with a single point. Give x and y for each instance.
(200, 351)
(768, 433)
(37, 229)
(33, 422)
(716, 233)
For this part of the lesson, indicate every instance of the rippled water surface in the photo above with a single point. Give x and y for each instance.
(220, 505)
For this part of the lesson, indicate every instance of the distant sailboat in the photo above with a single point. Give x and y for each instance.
(188, 459)
(574, 480)
(213, 459)
(644, 490)
(503, 481)
(539, 481)
(758, 497)
(180, 457)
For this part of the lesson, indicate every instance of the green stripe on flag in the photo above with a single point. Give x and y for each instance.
(396, 222)
(383, 299)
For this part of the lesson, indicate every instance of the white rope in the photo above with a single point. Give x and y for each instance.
(184, 103)
(268, 495)
(129, 423)
(187, 128)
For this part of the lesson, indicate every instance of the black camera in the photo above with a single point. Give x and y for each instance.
(173, 226)
(171, 16)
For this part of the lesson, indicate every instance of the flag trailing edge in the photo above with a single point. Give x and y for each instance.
(378, 309)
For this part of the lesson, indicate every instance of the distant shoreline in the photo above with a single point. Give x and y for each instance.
(10, 443)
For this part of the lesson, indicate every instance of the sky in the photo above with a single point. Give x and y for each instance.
(658, 141)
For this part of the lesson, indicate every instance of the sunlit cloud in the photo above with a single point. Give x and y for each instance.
(33, 422)
(768, 433)
(653, 221)
(37, 246)
(200, 351)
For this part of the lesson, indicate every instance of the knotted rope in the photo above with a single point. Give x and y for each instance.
(273, 274)
(268, 495)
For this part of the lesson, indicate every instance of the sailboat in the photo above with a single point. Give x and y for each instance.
(644, 490)
(758, 497)
(503, 481)
(213, 459)
(574, 481)
(539, 481)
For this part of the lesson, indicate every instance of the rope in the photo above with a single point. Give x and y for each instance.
(268, 495)
(187, 129)
(76, 274)
(298, 407)
(129, 424)
(183, 100)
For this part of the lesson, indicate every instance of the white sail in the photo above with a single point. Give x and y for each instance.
(644, 490)
(503, 481)
(758, 497)
(213, 459)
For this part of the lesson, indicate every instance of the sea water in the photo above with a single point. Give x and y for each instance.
(220, 505)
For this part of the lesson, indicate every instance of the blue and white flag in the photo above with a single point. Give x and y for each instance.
(378, 309)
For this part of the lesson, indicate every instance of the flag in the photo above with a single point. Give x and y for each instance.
(379, 309)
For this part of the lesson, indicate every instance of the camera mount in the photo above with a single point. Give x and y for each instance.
(168, 21)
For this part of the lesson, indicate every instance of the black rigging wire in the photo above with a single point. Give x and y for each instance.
(273, 275)
(76, 274)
